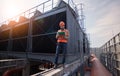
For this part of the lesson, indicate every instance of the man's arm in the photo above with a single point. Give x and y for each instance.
(67, 34)
(57, 35)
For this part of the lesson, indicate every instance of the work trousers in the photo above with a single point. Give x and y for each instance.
(61, 47)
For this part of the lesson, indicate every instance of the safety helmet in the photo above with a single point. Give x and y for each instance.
(62, 23)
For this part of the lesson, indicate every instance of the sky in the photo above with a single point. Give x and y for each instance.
(101, 16)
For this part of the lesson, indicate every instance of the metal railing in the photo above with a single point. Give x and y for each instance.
(111, 54)
(7, 63)
(42, 8)
(112, 64)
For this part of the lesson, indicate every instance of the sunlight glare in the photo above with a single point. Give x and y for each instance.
(12, 11)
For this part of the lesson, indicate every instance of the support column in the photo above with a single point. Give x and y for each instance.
(10, 40)
(29, 41)
(26, 70)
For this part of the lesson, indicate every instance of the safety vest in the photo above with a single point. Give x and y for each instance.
(61, 38)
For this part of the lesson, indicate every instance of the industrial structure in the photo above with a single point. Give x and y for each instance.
(28, 44)
(110, 56)
(31, 36)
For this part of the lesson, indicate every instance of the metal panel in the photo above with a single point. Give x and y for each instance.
(44, 31)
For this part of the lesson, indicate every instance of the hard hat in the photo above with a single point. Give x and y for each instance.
(62, 23)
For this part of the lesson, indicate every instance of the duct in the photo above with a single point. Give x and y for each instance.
(12, 23)
(37, 13)
(22, 19)
(97, 68)
(12, 71)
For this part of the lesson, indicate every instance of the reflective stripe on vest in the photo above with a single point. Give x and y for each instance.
(62, 39)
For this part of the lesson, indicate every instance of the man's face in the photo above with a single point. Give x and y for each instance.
(62, 27)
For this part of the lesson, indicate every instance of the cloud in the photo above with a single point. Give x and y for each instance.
(102, 20)
(106, 23)
(109, 20)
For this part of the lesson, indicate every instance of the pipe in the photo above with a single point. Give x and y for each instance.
(11, 71)
(97, 68)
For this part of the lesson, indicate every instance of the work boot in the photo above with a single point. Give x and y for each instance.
(63, 65)
(55, 66)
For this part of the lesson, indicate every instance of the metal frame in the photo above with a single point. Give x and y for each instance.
(113, 62)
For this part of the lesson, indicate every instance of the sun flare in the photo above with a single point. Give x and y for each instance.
(11, 9)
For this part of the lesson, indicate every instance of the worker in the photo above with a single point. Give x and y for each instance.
(62, 39)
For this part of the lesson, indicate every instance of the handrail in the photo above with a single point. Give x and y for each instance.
(29, 12)
(111, 64)
(9, 62)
